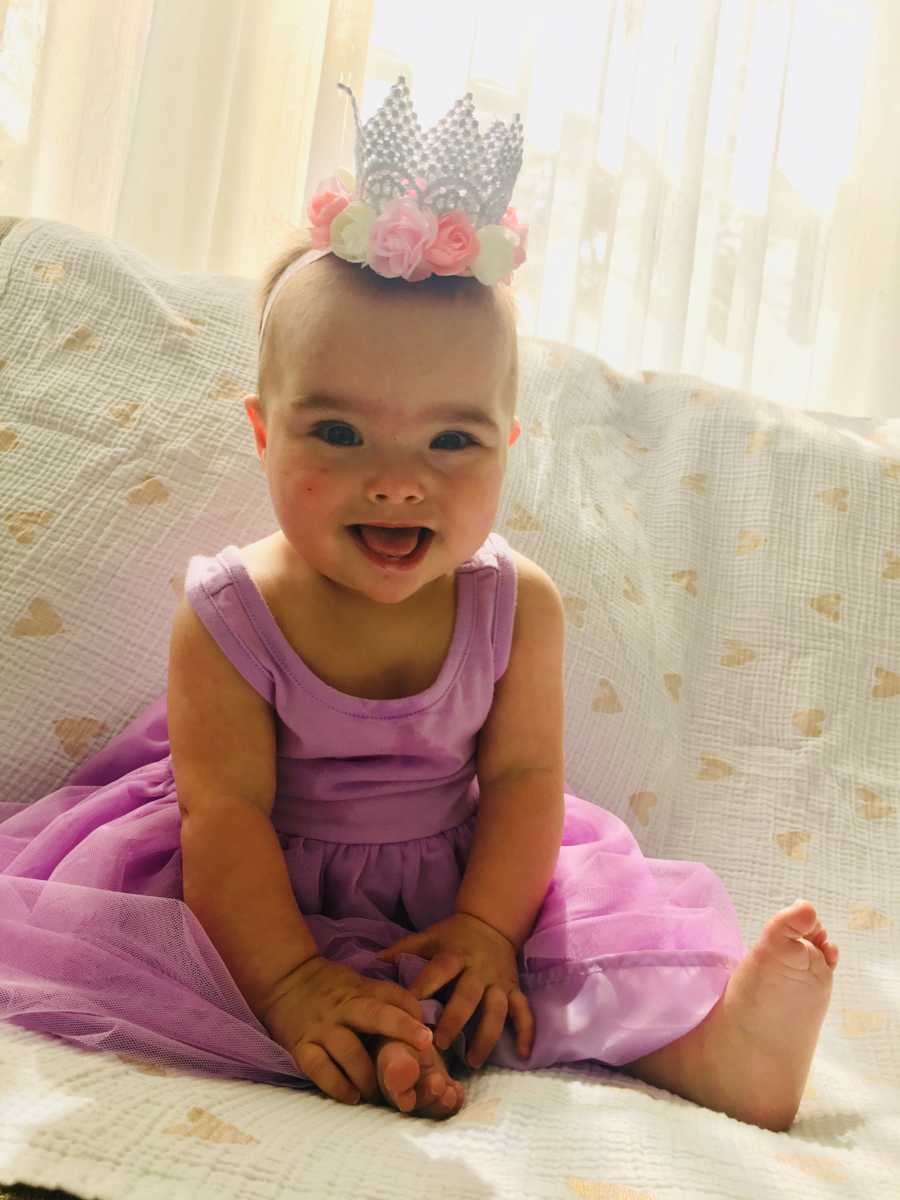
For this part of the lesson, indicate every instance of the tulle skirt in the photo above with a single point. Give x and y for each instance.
(97, 946)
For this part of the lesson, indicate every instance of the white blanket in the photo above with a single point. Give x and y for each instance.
(731, 577)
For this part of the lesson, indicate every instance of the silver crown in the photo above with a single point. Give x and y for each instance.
(460, 168)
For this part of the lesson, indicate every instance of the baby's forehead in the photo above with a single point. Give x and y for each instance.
(318, 328)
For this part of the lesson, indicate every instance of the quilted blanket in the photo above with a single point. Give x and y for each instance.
(730, 570)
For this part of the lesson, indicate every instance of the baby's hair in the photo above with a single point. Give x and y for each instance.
(300, 241)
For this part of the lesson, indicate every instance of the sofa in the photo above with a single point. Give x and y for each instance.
(730, 571)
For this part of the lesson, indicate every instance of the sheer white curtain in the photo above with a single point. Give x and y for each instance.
(712, 186)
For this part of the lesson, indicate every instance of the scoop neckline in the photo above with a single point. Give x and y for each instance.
(288, 658)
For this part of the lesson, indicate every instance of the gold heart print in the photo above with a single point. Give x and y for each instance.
(77, 735)
(485, 1112)
(828, 605)
(703, 398)
(713, 768)
(815, 1166)
(538, 432)
(835, 498)
(42, 621)
(226, 387)
(9, 439)
(207, 1127)
(748, 541)
(632, 592)
(606, 699)
(574, 607)
(612, 377)
(22, 523)
(857, 1022)
(151, 491)
(793, 844)
(123, 414)
(888, 684)
(696, 482)
(145, 1066)
(687, 580)
(523, 521)
(758, 440)
(81, 339)
(49, 272)
(179, 324)
(672, 684)
(865, 919)
(738, 655)
(809, 721)
(640, 804)
(871, 807)
(178, 331)
(601, 1189)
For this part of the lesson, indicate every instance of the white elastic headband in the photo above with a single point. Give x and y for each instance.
(310, 256)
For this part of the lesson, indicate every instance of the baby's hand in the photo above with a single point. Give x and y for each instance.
(317, 1013)
(487, 960)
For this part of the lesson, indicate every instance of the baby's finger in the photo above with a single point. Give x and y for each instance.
(465, 999)
(523, 1019)
(401, 997)
(495, 1008)
(435, 974)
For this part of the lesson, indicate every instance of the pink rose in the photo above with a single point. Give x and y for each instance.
(398, 239)
(455, 245)
(511, 221)
(331, 198)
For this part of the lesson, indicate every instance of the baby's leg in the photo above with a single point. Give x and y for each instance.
(750, 1056)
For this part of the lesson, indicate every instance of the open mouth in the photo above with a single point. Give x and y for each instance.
(393, 548)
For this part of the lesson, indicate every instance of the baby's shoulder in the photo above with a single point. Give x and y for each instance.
(259, 559)
(530, 575)
(266, 566)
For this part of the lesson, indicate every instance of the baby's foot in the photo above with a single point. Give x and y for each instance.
(750, 1055)
(762, 1033)
(414, 1088)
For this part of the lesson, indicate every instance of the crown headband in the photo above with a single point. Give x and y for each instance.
(421, 205)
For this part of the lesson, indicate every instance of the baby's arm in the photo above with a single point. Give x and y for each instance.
(520, 768)
(235, 876)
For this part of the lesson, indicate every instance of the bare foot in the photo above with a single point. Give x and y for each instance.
(414, 1088)
(750, 1056)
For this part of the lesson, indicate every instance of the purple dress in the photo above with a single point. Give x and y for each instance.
(375, 810)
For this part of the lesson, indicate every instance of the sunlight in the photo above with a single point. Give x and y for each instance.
(24, 30)
(822, 96)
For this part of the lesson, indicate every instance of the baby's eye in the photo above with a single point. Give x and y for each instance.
(470, 441)
(326, 426)
(333, 425)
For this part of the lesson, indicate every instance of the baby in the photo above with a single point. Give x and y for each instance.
(345, 824)
(382, 404)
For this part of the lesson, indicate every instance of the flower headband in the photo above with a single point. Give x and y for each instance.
(436, 204)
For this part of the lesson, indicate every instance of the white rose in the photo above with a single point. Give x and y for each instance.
(350, 231)
(495, 257)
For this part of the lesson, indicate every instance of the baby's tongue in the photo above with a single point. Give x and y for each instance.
(395, 542)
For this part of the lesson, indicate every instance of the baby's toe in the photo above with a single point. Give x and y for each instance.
(438, 1095)
(398, 1074)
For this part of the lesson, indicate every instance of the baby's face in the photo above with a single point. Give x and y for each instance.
(366, 426)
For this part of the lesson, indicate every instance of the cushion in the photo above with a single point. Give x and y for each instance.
(730, 570)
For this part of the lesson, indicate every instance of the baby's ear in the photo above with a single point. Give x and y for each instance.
(254, 412)
(515, 430)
